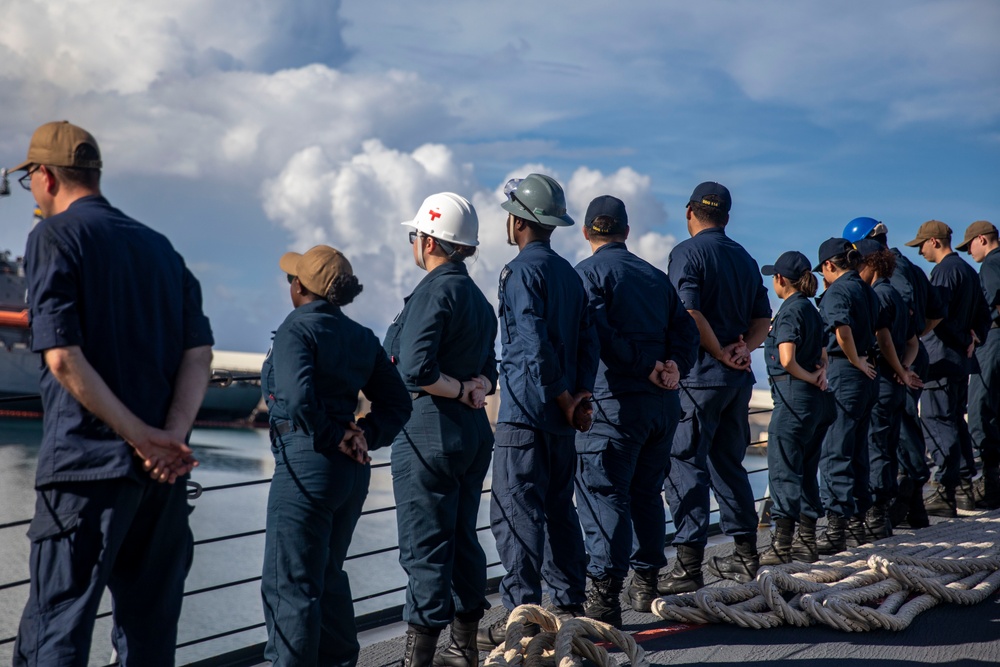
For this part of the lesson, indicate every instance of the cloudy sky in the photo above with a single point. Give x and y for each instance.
(244, 128)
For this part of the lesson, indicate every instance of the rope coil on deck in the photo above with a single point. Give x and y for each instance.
(877, 587)
(560, 643)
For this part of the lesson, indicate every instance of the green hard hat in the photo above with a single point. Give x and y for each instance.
(538, 198)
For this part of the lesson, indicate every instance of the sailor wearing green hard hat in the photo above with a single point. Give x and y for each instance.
(547, 371)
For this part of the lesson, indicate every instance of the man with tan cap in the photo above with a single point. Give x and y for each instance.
(949, 343)
(984, 393)
(118, 320)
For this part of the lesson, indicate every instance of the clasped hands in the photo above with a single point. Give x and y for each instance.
(577, 409)
(354, 445)
(665, 375)
(475, 392)
(736, 355)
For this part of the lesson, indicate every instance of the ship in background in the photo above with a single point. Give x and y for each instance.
(233, 397)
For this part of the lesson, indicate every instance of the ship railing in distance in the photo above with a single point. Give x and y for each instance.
(383, 616)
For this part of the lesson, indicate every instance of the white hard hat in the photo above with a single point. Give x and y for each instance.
(448, 217)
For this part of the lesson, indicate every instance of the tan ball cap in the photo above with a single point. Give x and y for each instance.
(316, 268)
(932, 229)
(54, 144)
(978, 228)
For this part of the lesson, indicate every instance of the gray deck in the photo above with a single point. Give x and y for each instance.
(944, 635)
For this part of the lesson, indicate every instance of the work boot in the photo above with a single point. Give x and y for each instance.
(916, 517)
(741, 565)
(685, 576)
(965, 496)
(900, 505)
(604, 601)
(856, 534)
(641, 590)
(462, 651)
(780, 550)
(941, 502)
(488, 637)
(877, 521)
(834, 539)
(804, 542)
(421, 642)
(987, 489)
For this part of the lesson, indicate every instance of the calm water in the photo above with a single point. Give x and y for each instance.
(227, 456)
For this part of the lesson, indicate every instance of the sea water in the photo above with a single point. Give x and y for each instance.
(227, 456)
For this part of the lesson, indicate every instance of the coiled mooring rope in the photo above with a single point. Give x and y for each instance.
(879, 587)
(560, 643)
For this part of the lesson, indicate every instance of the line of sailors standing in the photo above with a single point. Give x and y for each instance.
(619, 382)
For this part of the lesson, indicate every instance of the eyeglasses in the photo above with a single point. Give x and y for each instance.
(25, 180)
(291, 279)
(509, 190)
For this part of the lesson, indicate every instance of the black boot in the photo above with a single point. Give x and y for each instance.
(421, 642)
(641, 590)
(781, 543)
(877, 521)
(916, 517)
(988, 489)
(741, 565)
(462, 651)
(804, 542)
(856, 534)
(941, 502)
(900, 505)
(686, 573)
(965, 495)
(488, 637)
(834, 540)
(604, 601)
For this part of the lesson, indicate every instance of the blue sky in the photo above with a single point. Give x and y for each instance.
(242, 134)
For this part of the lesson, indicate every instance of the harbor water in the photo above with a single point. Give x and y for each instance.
(227, 456)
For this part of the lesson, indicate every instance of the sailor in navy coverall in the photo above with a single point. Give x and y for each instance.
(443, 346)
(897, 348)
(850, 311)
(547, 370)
(803, 409)
(984, 387)
(117, 318)
(720, 285)
(922, 303)
(648, 342)
(319, 360)
(950, 347)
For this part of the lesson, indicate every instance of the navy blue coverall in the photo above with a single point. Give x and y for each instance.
(440, 458)
(319, 360)
(99, 280)
(844, 468)
(801, 414)
(984, 387)
(549, 346)
(945, 397)
(890, 396)
(714, 275)
(923, 302)
(625, 455)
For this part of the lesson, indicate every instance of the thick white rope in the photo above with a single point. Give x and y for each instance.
(877, 587)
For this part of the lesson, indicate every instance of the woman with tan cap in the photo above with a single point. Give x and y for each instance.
(319, 360)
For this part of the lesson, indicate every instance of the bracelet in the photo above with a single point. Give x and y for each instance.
(461, 390)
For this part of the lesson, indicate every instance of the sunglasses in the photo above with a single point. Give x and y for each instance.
(413, 237)
(291, 279)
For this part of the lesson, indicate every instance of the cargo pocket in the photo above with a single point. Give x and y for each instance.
(49, 526)
(593, 474)
(507, 436)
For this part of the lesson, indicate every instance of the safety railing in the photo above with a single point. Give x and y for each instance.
(377, 618)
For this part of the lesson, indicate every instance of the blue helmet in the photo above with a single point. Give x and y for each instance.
(859, 228)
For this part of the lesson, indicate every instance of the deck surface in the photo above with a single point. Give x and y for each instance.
(945, 635)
